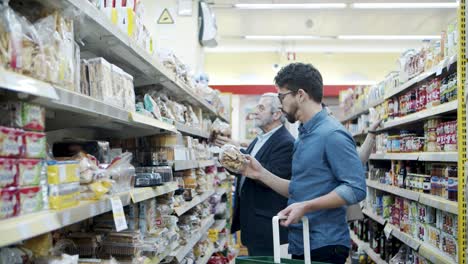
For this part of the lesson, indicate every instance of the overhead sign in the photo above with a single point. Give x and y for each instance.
(165, 17)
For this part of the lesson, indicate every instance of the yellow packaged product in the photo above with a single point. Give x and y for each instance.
(63, 195)
(59, 172)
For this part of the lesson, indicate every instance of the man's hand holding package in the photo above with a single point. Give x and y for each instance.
(220, 141)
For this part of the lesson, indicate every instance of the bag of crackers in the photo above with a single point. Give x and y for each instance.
(232, 159)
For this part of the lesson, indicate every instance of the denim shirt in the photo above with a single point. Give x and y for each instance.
(324, 160)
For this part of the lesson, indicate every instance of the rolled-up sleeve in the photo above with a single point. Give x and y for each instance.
(341, 154)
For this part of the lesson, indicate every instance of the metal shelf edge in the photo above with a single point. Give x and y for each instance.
(141, 194)
(24, 84)
(182, 252)
(375, 217)
(195, 201)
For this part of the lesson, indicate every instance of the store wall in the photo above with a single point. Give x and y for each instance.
(336, 68)
(178, 36)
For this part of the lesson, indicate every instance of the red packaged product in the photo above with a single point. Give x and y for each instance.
(34, 145)
(8, 172)
(29, 172)
(30, 199)
(11, 142)
(33, 117)
(9, 202)
(422, 97)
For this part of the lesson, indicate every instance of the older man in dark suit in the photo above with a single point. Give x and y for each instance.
(255, 204)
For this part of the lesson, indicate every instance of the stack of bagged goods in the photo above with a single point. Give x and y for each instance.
(22, 152)
(43, 48)
(127, 15)
(107, 83)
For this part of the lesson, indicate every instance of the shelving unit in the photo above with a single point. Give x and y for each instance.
(181, 252)
(220, 224)
(192, 131)
(421, 156)
(31, 225)
(366, 248)
(208, 255)
(195, 201)
(375, 217)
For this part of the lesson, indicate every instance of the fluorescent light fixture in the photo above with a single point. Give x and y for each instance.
(389, 37)
(292, 6)
(404, 5)
(287, 37)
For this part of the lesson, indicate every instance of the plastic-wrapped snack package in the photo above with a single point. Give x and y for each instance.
(66, 49)
(10, 39)
(116, 96)
(194, 119)
(152, 107)
(32, 53)
(33, 117)
(8, 172)
(50, 39)
(30, 199)
(29, 172)
(100, 78)
(34, 145)
(232, 159)
(84, 81)
(9, 202)
(167, 59)
(11, 142)
(129, 93)
(165, 111)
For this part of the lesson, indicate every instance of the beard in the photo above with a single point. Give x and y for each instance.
(291, 115)
(263, 122)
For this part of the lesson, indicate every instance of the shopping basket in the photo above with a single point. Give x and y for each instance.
(276, 247)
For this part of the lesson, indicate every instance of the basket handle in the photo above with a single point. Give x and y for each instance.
(276, 238)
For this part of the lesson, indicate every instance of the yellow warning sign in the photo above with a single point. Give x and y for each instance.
(165, 17)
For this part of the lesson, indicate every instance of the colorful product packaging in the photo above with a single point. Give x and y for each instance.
(11, 143)
(34, 145)
(64, 195)
(33, 117)
(29, 172)
(30, 199)
(59, 172)
(8, 172)
(9, 202)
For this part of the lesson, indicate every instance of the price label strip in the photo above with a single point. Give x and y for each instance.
(119, 215)
(388, 231)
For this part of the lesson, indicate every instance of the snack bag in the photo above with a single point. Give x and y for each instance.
(232, 159)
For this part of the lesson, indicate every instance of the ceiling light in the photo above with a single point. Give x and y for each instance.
(288, 37)
(403, 5)
(389, 37)
(292, 6)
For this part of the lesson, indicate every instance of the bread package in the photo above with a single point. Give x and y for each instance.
(232, 159)
(100, 78)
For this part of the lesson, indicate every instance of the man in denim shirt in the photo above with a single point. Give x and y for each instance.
(327, 174)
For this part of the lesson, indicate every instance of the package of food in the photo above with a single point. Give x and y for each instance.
(63, 195)
(433, 235)
(59, 172)
(11, 114)
(128, 93)
(232, 159)
(449, 245)
(8, 172)
(29, 172)
(30, 199)
(152, 107)
(427, 214)
(34, 145)
(10, 39)
(447, 222)
(9, 202)
(11, 142)
(33, 117)
(100, 78)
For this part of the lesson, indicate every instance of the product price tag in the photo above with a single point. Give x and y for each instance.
(119, 215)
(388, 231)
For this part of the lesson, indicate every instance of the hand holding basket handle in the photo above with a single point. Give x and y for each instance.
(276, 238)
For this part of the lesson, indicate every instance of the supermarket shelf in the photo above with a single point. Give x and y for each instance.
(207, 256)
(195, 201)
(375, 217)
(181, 252)
(427, 199)
(166, 253)
(394, 156)
(421, 115)
(435, 255)
(365, 246)
(422, 156)
(102, 38)
(439, 156)
(222, 176)
(439, 203)
(151, 122)
(192, 131)
(405, 238)
(436, 69)
(23, 84)
(219, 224)
(408, 194)
(141, 194)
(206, 163)
(362, 111)
(222, 243)
(180, 165)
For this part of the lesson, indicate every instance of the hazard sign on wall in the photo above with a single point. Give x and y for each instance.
(165, 17)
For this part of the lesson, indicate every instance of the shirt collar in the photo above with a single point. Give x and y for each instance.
(263, 135)
(312, 123)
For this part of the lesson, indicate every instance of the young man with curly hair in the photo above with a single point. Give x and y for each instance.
(327, 174)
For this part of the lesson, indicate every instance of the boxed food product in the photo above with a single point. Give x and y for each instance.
(33, 117)
(29, 172)
(59, 172)
(447, 222)
(9, 202)
(100, 78)
(433, 235)
(449, 245)
(30, 199)
(34, 145)
(427, 214)
(63, 195)
(11, 142)
(11, 114)
(8, 172)
(232, 159)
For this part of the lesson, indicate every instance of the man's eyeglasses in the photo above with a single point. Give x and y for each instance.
(281, 96)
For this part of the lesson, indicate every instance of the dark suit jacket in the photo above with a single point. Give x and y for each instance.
(257, 204)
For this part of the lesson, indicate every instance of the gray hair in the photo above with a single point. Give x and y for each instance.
(275, 105)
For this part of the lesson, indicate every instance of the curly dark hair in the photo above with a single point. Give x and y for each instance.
(303, 76)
